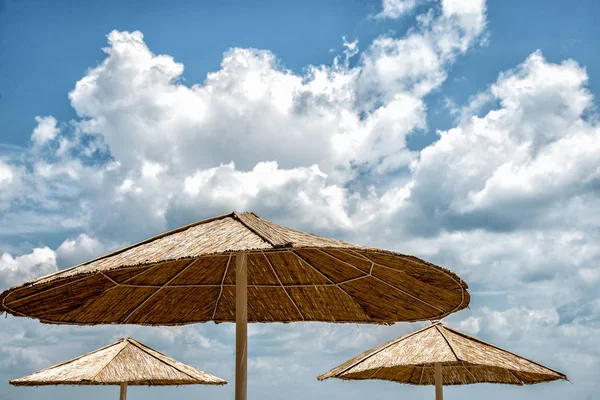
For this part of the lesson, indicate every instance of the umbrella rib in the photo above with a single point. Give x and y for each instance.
(437, 326)
(124, 283)
(348, 280)
(415, 368)
(444, 313)
(410, 295)
(359, 254)
(385, 346)
(158, 290)
(161, 360)
(141, 272)
(316, 269)
(72, 360)
(342, 261)
(356, 254)
(382, 281)
(428, 265)
(521, 383)
(221, 287)
(259, 227)
(283, 287)
(422, 371)
(44, 291)
(373, 263)
(563, 376)
(10, 309)
(467, 369)
(332, 282)
(110, 279)
(38, 293)
(109, 361)
(445, 272)
(374, 372)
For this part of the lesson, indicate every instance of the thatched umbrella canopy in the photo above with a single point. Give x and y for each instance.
(439, 355)
(239, 267)
(125, 362)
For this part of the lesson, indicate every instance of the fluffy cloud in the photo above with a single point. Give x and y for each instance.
(542, 335)
(301, 191)
(122, 165)
(6, 173)
(517, 164)
(79, 249)
(16, 270)
(396, 8)
(519, 321)
(507, 260)
(470, 14)
(253, 109)
(10, 176)
(45, 131)
(470, 325)
(44, 260)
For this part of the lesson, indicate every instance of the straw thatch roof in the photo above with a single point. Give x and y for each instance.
(126, 361)
(465, 359)
(188, 275)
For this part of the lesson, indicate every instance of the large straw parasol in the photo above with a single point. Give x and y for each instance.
(125, 362)
(239, 267)
(439, 355)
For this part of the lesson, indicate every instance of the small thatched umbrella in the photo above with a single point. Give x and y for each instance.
(239, 267)
(439, 355)
(123, 363)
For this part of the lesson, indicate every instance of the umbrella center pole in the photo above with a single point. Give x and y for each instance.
(123, 393)
(241, 326)
(439, 387)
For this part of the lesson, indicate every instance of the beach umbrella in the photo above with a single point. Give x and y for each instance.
(238, 268)
(439, 355)
(125, 362)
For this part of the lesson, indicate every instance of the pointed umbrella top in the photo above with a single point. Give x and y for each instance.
(125, 361)
(187, 275)
(410, 359)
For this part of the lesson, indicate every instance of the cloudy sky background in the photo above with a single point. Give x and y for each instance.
(457, 131)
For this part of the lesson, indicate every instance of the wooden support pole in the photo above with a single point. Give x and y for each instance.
(123, 394)
(241, 326)
(439, 383)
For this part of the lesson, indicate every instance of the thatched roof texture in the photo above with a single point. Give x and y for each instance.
(188, 275)
(465, 359)
(126, 361)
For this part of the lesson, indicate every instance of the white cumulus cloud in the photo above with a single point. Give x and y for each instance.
(45, 131)
(16, 270)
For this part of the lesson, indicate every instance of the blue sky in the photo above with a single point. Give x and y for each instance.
(465, 133)
(50, 45)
